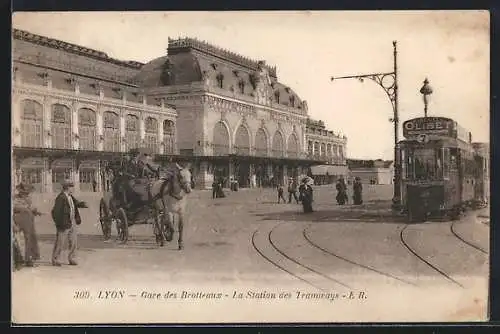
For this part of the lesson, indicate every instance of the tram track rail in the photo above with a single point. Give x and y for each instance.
(354, 263)
(468, 243)
(422, 259)
(278, 263)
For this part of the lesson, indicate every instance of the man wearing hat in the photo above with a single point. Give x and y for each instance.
(24, 221)
(66, 218)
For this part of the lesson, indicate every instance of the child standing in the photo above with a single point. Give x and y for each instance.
(280, 194)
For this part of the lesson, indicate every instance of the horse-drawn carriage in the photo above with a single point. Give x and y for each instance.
(140, 195)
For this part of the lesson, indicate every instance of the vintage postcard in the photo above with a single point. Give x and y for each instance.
(250, 167)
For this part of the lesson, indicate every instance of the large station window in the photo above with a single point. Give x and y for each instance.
(168, 137)
(293, 146)
(87, 129)
(261, 143)
(221, 139)
(31, 124)
(242, 141)
(111, 130)
(278, 144)
(61, 127)
(151, 136)
(132, 136)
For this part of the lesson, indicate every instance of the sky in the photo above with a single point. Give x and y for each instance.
(450, 48)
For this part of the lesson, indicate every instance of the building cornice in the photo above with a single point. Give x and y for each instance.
(71, 48)
(28, 89)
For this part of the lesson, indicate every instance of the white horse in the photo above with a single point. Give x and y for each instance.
(171, 198)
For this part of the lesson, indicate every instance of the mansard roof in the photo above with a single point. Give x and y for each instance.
(71, 48)
(190, 60)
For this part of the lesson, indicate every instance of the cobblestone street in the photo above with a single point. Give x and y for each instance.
(247, 240)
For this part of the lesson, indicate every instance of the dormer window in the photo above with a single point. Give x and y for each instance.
(277, 96)
(241, 86)
(220, 80)
(292, 101)
(214, 66)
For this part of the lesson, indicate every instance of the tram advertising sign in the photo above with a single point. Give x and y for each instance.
(430, 126)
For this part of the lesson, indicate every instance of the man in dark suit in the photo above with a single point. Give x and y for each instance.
(66, 218)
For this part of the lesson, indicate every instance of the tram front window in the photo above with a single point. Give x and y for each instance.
(427, 164)
(423, 164)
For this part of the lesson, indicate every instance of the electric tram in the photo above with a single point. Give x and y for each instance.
(442, 171)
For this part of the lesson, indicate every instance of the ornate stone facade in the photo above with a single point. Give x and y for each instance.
(233, 112)
(66, 125)
(227, 114)
(325, 145)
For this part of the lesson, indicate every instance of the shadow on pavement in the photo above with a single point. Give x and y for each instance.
(91, 242)
(377, 211)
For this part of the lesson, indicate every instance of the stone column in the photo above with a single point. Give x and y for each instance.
(76, 175)
(142, 130)
(47, 181)
(99, 128)
(285, 175)
(47, 122)
(205, 178)
(16, 121)
(161, 144)
(74, 125)
(123, 145)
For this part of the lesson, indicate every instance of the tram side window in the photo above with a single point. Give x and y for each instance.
(446, 163)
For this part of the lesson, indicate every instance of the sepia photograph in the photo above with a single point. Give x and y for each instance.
(250, 167)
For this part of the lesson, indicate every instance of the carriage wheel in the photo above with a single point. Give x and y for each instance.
(122, 225)
(105, 220)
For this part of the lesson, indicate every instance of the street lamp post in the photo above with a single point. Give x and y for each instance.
(389, 83)
(426, 91)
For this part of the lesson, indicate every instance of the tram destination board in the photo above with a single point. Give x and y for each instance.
(441, 126)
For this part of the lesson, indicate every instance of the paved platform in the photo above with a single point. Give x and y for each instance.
(248, 242)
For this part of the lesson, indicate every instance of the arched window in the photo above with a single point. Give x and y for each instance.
(87, 129)
(111, 130)
(242, 141)
(221, 139)
(61, 127)
(316, 149)
(323, 150)
(168, 137)
(293, 146)
(31, 124)
(151, 136)
(292, 101)
(310, 147)
(132, 135)
(329, 150)
(278, 144)
(341, 154)
(261, 143)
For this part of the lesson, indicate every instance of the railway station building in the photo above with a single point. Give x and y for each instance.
(75, 108)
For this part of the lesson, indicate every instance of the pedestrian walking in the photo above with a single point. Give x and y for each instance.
(307, 195)
(94, 185)
(341, 192)
(24, 219)
(292, 190)
(66, 217)
(279, 187)
(357, 189)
